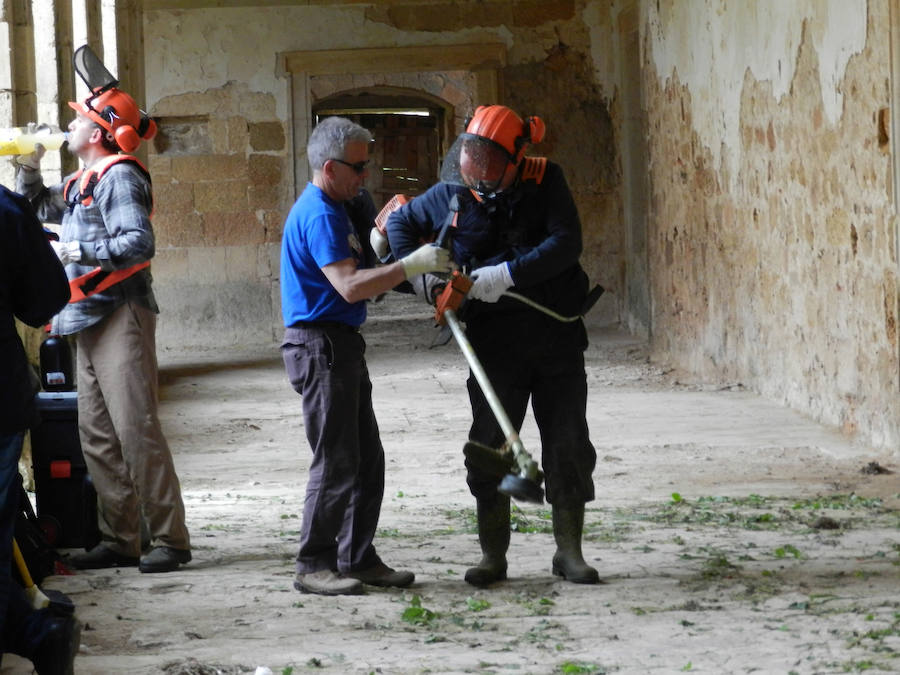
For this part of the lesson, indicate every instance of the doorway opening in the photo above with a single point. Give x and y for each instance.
(410, 136)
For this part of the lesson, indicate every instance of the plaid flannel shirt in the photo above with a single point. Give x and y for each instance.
(114, 232)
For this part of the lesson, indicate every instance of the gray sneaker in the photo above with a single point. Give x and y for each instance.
(326, 582)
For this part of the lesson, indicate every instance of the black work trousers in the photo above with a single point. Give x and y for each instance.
(527, 356)
(327, 367)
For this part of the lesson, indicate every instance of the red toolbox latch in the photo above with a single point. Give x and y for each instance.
(61, 468)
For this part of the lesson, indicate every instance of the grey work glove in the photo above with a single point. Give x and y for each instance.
(33, 159)
(489, 283)
(67, 252)
(428, 287)
(426, 258)
(379, 243)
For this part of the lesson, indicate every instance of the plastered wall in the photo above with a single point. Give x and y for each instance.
(773, 227)
(223, 166)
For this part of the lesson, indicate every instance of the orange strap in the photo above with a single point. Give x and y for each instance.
(533, 169)
(98, 280)
(90, 177)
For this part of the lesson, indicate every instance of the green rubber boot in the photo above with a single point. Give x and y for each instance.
(493, 535)
(568, 561)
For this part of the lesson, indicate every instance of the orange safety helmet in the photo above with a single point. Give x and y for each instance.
(116, 111)
(494, 142)
(504, 127)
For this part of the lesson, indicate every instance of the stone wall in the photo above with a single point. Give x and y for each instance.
(773, 229)
(220, 179)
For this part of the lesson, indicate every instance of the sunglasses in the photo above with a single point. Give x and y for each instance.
(358, 167)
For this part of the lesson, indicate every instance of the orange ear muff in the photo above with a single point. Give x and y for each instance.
(147, 128)
(127, 138)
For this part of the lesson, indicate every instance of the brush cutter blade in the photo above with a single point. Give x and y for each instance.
(490, 460)
(522, 489)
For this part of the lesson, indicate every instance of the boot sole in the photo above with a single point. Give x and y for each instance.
(352, 590)
(477, 577)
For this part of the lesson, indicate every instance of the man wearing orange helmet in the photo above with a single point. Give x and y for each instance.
(516, 227)
(106, 234)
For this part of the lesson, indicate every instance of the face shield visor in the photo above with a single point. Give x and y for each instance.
(476, 163)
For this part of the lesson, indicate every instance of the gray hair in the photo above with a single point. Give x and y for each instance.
(330, 138)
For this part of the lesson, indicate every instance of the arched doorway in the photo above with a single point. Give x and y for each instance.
(452, 78)
(411, 131)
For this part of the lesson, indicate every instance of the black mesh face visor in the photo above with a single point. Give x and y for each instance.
(476, 163)
(92, 71)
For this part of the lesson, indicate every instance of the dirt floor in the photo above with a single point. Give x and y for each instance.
(733, 535)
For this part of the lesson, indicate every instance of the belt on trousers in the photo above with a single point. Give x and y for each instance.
(326, 325)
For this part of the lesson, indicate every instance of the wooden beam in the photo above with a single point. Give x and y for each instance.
(476, 57)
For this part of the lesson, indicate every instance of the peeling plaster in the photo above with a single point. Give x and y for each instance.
(604, 44)
(710, 44)
(201, 50)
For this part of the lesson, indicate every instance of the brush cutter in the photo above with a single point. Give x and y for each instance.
(521, 476)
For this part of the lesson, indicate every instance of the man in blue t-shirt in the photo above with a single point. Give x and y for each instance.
(324, 287)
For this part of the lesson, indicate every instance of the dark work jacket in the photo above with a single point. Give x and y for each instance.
(33, 287)
(361, 211)
(535, 228)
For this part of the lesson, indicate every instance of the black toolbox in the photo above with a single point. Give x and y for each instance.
(65, 495)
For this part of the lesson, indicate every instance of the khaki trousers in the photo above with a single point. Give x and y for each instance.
(124, 448)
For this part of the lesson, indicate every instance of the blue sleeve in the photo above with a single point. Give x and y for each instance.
(327, 238)
(419, 220)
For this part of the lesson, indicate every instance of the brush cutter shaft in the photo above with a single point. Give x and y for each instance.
(509, 431)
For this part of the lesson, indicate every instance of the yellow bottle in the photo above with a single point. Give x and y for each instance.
(21, 141)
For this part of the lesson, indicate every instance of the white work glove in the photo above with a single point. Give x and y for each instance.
(428, 287)
(489, 283)
(426, 258)
(379, 243)
(67, 252)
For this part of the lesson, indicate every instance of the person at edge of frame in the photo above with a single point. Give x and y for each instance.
(33, 287)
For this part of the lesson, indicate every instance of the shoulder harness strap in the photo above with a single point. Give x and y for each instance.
(533, 169)
(87, 179)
